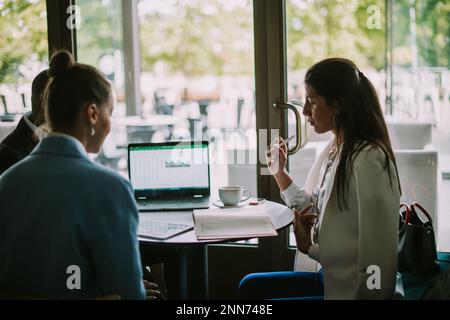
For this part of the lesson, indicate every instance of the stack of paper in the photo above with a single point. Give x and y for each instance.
(232, 224)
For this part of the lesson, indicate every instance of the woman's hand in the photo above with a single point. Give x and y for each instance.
(152, 291)
(303, 224)
(276, 156)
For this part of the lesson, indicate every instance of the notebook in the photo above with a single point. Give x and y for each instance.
(161, 230)
(232, 224)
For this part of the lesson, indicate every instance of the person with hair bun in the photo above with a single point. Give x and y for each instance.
(68, 226)
(346, 214)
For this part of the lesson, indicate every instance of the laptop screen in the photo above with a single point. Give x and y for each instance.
(169, 169)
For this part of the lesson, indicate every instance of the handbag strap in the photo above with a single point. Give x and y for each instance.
(419, 206)
(408, 213)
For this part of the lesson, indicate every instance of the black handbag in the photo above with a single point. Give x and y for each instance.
(417, 244)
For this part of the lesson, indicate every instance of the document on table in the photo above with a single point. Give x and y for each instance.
(232, 224)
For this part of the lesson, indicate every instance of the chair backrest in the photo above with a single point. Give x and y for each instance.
(409, 135)
(181, 134)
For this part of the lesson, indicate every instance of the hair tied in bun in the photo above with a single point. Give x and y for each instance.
(60, 64)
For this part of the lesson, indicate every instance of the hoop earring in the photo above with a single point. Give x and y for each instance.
(92, 131)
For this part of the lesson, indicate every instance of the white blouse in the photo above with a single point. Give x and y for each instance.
(295, 197)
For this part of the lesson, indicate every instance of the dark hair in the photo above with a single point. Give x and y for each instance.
(72, 85)
(359, 118)
(37, 93)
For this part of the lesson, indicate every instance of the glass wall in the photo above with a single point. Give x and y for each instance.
(197, 81)
(100, 43)
(23, 54)
(419, 120)
(404, 50)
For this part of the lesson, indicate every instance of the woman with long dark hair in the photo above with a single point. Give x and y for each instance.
(346, 215)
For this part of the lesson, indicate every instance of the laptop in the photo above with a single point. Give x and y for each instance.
(170, 176)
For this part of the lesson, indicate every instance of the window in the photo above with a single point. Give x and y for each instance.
(197, 71)
(195, 78)
(23, 52)
(419, 115)
(404, 50)
(100, 43)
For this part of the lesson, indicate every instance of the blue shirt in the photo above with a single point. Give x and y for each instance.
(59, 209)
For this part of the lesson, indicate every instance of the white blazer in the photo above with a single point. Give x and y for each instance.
(362, 235)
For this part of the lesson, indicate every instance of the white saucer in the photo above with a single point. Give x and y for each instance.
(220, 204)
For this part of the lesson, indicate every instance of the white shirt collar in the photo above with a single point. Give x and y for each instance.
(38, 132)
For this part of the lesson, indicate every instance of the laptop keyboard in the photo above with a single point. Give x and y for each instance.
(161, 229)
(170, 200)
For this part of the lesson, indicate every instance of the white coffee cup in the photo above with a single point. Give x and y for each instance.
(233, 195)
